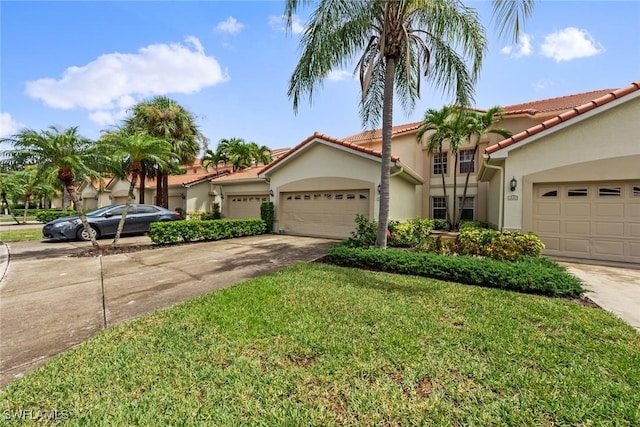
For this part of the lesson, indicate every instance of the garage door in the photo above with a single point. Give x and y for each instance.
(598, 221)
(245, 206)
(326, 213)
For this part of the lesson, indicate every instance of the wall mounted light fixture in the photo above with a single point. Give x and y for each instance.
(379, 188)
(271, 193)
(513, 183)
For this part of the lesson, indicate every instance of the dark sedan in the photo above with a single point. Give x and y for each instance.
(104, 222)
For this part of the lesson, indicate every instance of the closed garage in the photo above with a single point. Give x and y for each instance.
(590, 220)
(322, 213)
(245, 206)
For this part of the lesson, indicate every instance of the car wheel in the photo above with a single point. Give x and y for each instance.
(83, 235)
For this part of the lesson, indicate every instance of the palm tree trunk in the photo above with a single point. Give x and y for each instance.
(444, 190)
(387, 123)
(134, 178)
(466, 184)
(165, 190)
(83, 218)
(159, 191)
(5, 202)
(142, 184)
(455, 225)
(26, 208)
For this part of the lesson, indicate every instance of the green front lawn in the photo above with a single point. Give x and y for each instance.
(315, 344)
(20, 235)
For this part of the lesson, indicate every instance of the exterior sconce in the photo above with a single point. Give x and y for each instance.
(379, 188)
(513, 183)
(222, 196)
(182, 196)
(80, 198)
(271, 193)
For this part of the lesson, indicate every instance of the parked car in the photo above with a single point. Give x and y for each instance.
(104, 222)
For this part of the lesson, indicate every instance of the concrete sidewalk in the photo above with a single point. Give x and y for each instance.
(50, 302)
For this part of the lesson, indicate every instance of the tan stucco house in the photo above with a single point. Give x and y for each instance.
(574, 161)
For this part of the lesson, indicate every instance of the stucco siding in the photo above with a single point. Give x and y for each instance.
(198, 199)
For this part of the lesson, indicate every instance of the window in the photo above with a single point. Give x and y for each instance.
(467, 207)
(439, 163)
(467, 163)
(145, 209)
(577, 192)
(610, 191)
(552, 193)
(438, 208)
(636, 191)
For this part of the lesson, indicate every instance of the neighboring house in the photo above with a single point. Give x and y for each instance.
(585, 143)
(577, 179)
(92, 194)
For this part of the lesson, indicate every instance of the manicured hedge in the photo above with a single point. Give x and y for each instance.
(196, 230)
(49, 215)
(528, 275)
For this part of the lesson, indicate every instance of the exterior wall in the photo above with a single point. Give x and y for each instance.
(120, 188)
(198, 198)
(403, 200)
(602, 146)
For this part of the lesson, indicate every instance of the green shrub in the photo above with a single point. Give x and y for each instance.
(529, 275)
(409, 234)
(267, 215)
(471, 225)
(440, 224)
(365, 233)
(216, 211)
(198, 230)
(45, 216)
(500, 245)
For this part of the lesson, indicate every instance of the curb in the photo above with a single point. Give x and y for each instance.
(4, 262)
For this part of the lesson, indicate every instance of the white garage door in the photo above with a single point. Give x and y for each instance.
(245, 206)
(322, 213)
(599, 221)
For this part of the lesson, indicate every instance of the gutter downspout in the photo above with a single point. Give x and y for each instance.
(397, 172)
(501, 207)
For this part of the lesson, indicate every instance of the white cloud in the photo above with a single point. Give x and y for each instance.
(523, 48)
(8, 126)
(279, 23)
(231, 26)
(542, 84)
(114, 81)
(339, 75)
(570, 43)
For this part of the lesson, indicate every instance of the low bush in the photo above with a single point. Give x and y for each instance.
(409, 234)
(529, 275)
(365, 233)
(500, 245)
(199, 230)
(201, 216)
(45, 216)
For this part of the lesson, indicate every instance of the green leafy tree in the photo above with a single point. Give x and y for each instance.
(28, 185)
(241, 154)
(396, 40)
(128, 152)
(214, 158)
(62, 152)
(164, 118)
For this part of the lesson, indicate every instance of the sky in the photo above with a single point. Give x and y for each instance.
(86, 63)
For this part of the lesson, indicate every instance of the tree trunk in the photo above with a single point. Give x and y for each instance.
(143, 178)
(83, 218)
(134, 178)
(26, 208)
(454, 226)
(387, 123)
(6, 203)
(444, 190)
(165, 189)
(466, 183)
(159, 191)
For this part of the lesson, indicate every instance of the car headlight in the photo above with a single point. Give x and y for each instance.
(66, 223)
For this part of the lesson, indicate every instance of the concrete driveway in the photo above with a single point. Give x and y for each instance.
(50, 302)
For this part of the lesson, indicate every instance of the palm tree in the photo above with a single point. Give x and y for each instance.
(214, 158)
(398, 39)
(61, 151)
(164, 118)
(27, 185)
(480, 125)
(261, 153)
(128, 153)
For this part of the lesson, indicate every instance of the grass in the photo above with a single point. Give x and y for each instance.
(20, 235)
(315, 344)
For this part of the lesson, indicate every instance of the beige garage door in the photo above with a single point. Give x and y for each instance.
(245, 206)
(599, 221)
(326, 213)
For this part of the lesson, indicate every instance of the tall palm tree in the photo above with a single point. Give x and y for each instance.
(398, 39)
(61, 151)
(162, 117)
(261, 153)
(128, 153)
(214, 158)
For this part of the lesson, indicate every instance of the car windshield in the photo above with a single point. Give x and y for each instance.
(100, 211)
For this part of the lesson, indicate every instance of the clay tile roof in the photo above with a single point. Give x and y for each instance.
(247, 173)
(600, 100)
(332, 140)
(561, 103)
(376, 134)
